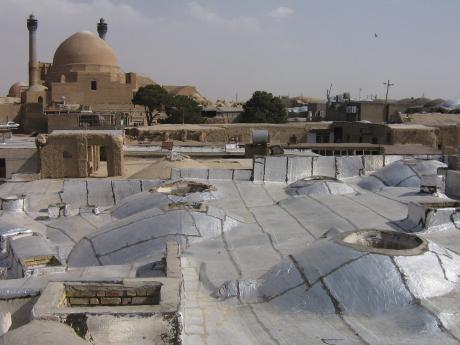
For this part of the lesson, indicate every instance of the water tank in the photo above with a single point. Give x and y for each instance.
(260, 136)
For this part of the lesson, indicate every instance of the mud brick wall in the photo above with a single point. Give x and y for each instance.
(112, 294)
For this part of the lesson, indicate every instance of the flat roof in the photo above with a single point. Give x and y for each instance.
(87, 131)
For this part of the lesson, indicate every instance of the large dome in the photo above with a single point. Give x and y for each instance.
(84, 48)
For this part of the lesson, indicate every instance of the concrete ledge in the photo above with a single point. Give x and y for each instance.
(373, 163)
(349, 166)
(299, 168)
(324, 166)
(212, 174)
(275, 169)
(388, 159)
(201, 174)
(259, 169)
(453, 183)
(242, 175)
(221, 174)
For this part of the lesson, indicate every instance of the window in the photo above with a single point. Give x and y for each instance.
(66, 155)
(93, 85)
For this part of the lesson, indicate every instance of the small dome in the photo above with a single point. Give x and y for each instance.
(84, 48)
(365, 272)
(143, 236)
(16, 89)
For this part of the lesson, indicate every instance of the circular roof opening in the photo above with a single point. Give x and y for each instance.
(384, 242)
(182, 188)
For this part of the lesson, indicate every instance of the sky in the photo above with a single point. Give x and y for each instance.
(229, 48)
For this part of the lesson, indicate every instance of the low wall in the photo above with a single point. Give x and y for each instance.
(289, 169)
(19, 160)
(292, 168)
(212, 174)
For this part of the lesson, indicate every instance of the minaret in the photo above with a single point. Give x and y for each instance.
(32, 25)
(102, 28)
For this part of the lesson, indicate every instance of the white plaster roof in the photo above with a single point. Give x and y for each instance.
(384, 300)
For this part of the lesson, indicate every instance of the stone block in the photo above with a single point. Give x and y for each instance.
(94, 301)
(349, 166)
(373, 162)
(259, 169)
(242, 175)
(298, 168)
(275, 169)
(131, 292)
(126, 300)
(140, 291)
(324, 166)
(78, 301)
(110, 300)
(141, 300)
(220, 174)
(114, 293)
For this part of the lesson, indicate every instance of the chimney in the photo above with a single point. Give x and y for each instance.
(102, 28)
(32, 25)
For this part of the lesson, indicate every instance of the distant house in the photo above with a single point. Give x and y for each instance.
(222, 114)
(376, 111)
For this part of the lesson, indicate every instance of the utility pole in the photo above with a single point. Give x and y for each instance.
(388, 85)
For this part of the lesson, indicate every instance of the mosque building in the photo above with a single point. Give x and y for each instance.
(83, 80)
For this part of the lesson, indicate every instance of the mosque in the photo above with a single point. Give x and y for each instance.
(83, 77)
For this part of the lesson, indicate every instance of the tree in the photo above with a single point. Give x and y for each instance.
(183, 109)
(153, 98)
(264, 107)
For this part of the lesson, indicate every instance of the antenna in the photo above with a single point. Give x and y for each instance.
(328, 93)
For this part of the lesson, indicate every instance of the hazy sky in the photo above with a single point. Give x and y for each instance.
(287, 47)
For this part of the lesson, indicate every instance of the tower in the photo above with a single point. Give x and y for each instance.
(102, 28)
(32, 25)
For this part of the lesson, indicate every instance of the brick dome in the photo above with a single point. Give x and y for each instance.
(84, 48)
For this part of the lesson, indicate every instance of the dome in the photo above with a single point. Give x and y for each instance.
(369, 275)
(16, 89)
(319, 185)
(402, 173)
(143, 236)
(84, 48)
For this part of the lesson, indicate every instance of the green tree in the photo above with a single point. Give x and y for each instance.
(183, 109)
(153, 98)
(264, 107)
